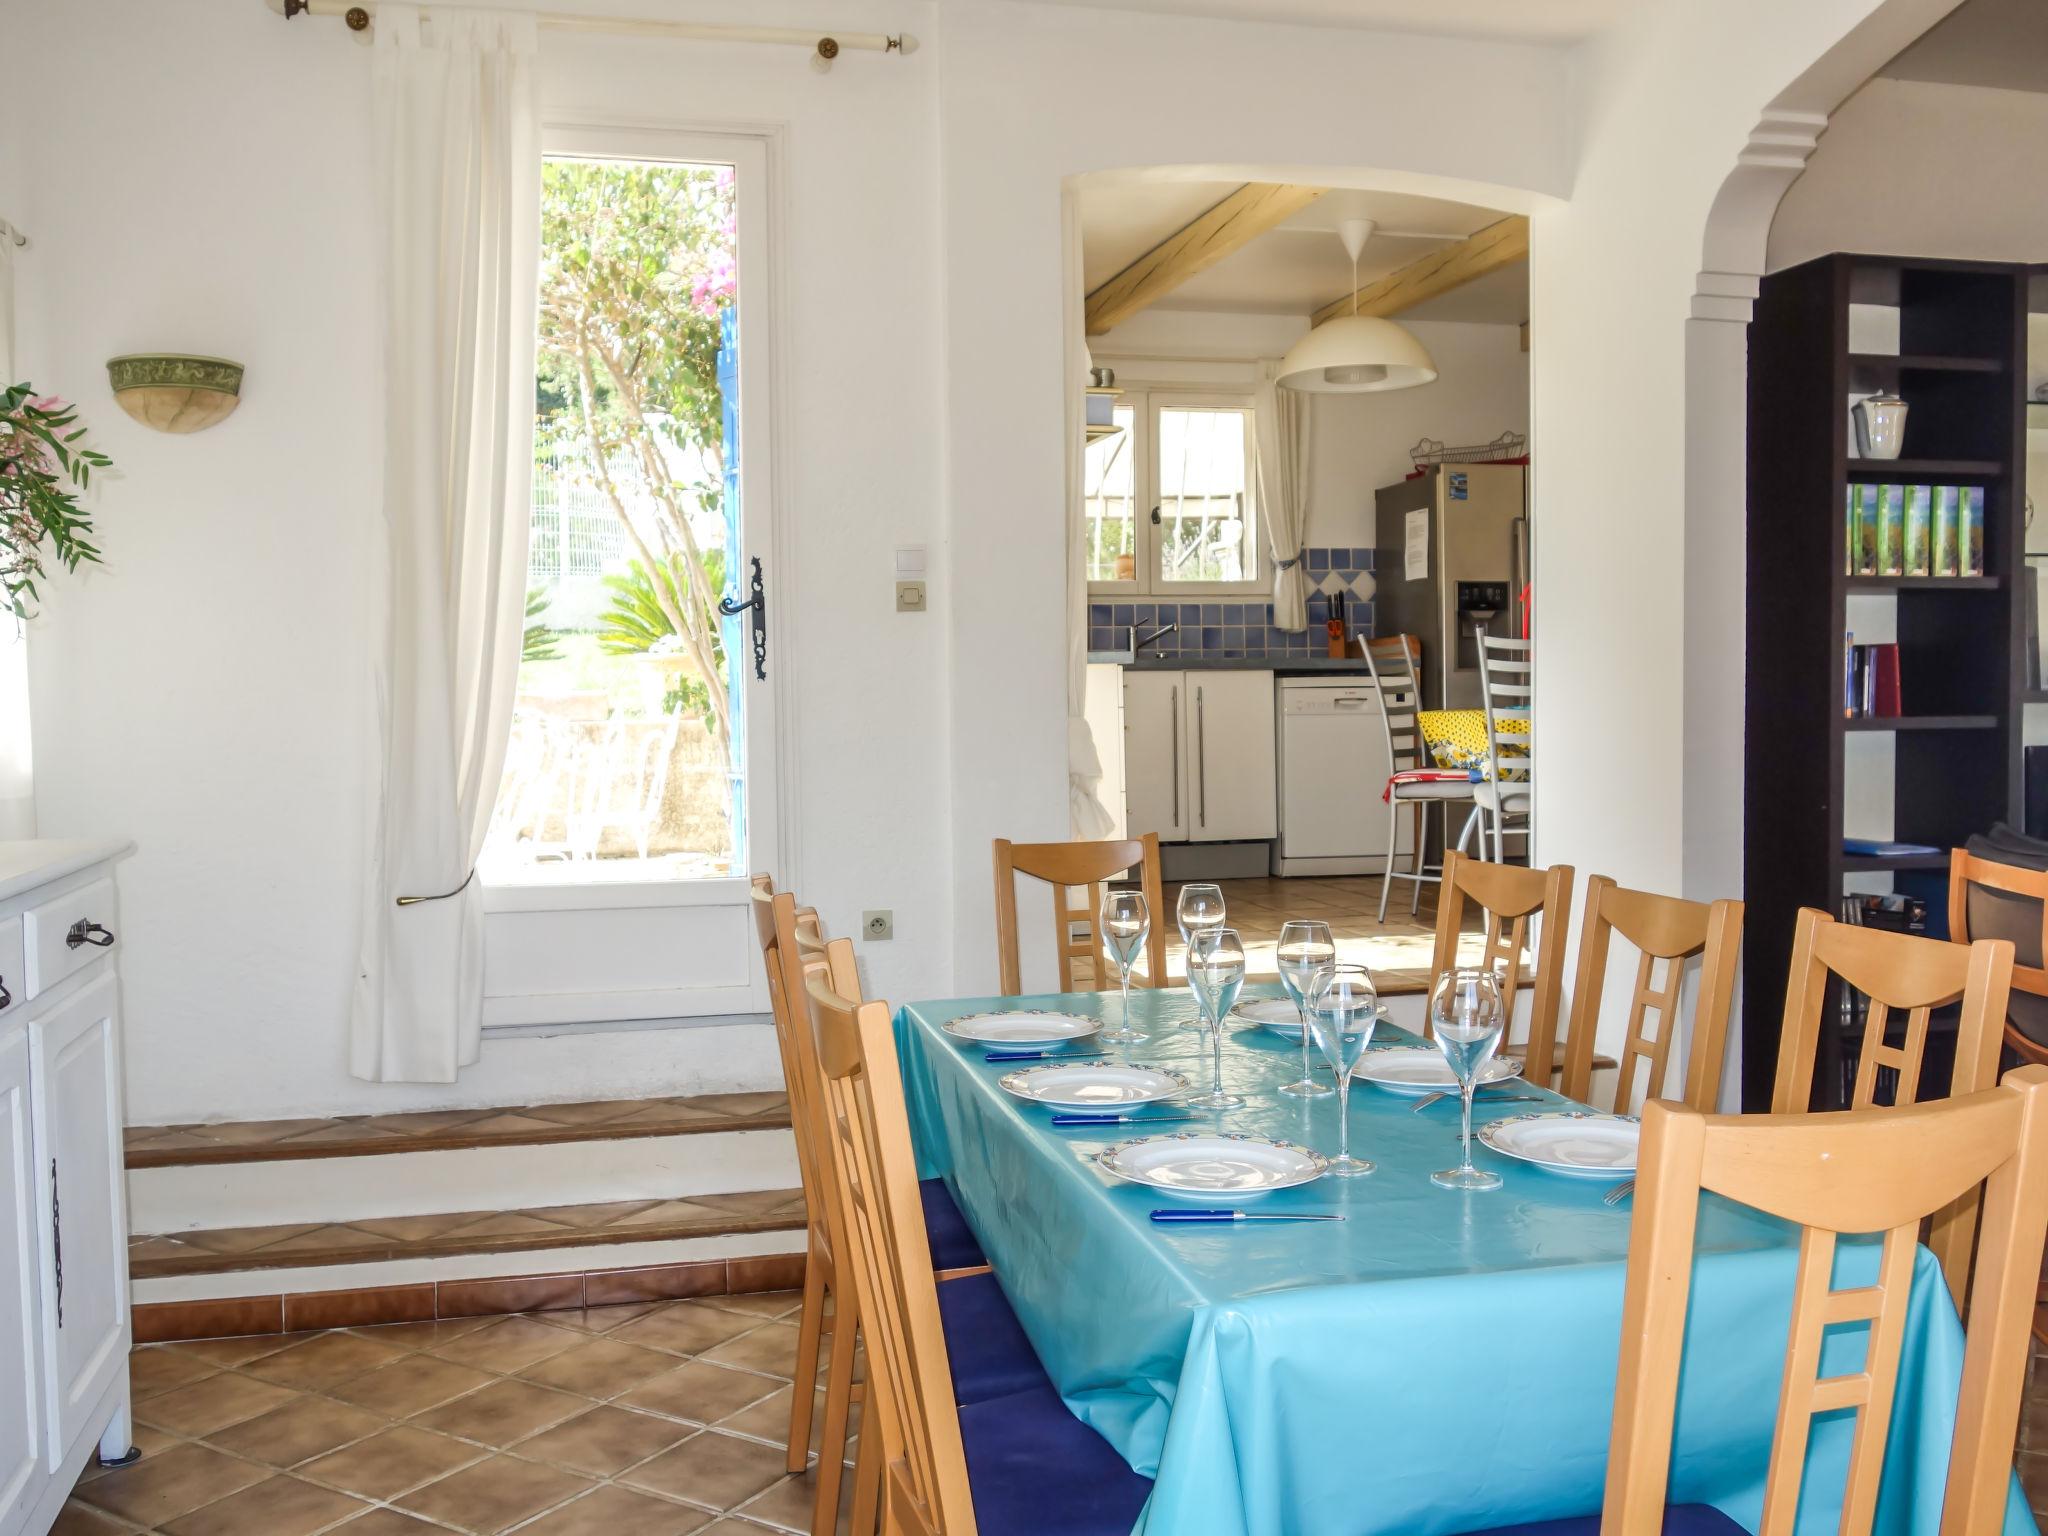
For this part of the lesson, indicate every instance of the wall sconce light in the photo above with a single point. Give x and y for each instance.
(173, 392)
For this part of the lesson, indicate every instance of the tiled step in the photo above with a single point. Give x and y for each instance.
(451, 1130)
(224, 1250)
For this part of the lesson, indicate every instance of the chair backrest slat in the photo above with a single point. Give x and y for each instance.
(781, 926)
(1666, 931)
(1861, 1171)
(1509, 896)
(1068, 868)
(1391, 662)
(1507, 674)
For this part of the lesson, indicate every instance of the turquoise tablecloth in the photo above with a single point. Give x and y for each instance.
(1436, 1363)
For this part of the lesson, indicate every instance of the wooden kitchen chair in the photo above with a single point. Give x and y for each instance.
(1895, 972)
(1669, 930)
(2008, 902)
(1041, 1468)
(1509, 896)
(1070, 868)
(1860, 1172)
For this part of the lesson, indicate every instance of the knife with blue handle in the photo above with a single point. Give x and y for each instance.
(1118, 1119)
(1043, 1055)
(1200, 1213)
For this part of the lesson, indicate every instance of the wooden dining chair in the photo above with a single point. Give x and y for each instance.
(1069, 868)
(1509, 896)
(1896, 972)
(943, 1464)
(1993, 900)
(1863, 1171)
(1670, 931)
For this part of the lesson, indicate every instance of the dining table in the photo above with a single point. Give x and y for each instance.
(1438, 1361)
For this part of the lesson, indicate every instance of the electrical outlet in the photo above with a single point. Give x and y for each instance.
(910, 597)
(876, 926)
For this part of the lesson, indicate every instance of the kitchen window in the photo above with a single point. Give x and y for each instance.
(1171, 501)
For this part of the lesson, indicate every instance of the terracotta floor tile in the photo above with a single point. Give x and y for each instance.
(286, 1436)
(282, 1506)
(397, 1461)
(413, 1229)
(218, 1401)
(175, 1482)
(155, 1368)
(604, 1319)
(598, 1113)
(760, 1303)
(771, 1348)
(494, 1495)
(610, 1510)
(502, 1413)
(788, 1503)
(235, 1351)
(391, 1522)
(769, 1418)
(243, 1239)
(508, 1125)
(702, 1393)
(324, 1361)
(329, 1239)
(411, 1385)
(671, 1213)
(509, 1344)
(716, 1470)
(587, 1217)
(424, 1335)
(605, 1441)
(507, 1224)
(76, 1519)
(600, 1368)
(149, 1441)
(686, 1327)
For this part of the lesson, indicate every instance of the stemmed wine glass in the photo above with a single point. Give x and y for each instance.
(1200, 907)
(1343, 1007)
(1466, 1017)
(1215, 976)
(1126, 924)
(1305, 948)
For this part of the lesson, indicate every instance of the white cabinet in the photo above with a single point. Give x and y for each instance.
(1198, 755)
(65, 1331)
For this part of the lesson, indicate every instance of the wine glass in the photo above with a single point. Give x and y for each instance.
(1304, 949)
(1466, 1017)
(1200, 906)
(1126, 924)
(1343, 1007)
(1215, 976)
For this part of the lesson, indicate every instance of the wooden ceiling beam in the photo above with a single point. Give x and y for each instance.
(1229, 226)
(1453, 266)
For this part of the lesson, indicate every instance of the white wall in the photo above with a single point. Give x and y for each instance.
(1359, 442)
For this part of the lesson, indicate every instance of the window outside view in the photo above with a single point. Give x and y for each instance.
(1199, 479)
(625, 758)
(1110, 498)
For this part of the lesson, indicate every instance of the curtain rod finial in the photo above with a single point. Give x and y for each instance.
(903, 42)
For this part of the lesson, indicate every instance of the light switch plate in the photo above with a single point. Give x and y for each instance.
(910, 597)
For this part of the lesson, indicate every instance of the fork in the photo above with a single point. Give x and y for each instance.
(1620, 1192)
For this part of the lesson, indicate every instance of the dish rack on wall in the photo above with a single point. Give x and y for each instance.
(1509, 445)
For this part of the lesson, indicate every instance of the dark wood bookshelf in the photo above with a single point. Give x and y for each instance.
(1956, 754)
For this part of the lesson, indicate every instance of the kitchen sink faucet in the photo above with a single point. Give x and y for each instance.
(1139, 643)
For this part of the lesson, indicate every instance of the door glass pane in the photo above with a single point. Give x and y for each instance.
(1205, 504)
(626, 754)
(1109, 499)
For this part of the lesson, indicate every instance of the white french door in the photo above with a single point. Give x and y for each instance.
(643, 785)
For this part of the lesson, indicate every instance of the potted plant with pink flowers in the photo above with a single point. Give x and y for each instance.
(44, 468)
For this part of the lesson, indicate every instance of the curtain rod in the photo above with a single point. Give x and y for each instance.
(359, 14)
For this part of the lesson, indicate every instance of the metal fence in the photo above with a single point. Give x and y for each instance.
(575, 533)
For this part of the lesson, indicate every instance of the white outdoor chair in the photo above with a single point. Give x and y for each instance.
(1391, 662)
(1507, 672)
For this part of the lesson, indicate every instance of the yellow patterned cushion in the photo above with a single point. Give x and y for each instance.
(1456, 738)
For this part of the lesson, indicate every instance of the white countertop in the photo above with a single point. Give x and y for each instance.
(24, 866)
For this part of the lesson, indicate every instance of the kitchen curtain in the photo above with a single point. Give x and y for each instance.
(1087, 816)
(17, 770)
(1283, 421)
(458, 165)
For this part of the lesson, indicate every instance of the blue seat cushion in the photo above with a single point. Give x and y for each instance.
(1679, 1520)
(1036, 1470)
(985, 1343)
(952, 1240)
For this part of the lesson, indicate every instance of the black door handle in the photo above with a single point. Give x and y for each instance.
(758, 604)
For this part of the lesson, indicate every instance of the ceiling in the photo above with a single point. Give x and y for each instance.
(1299, 266)
(1527, 20)
(1998, 43)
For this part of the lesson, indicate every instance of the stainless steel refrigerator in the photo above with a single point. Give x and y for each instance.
(1451, 553)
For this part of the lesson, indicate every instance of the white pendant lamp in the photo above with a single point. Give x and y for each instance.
(1356, 354)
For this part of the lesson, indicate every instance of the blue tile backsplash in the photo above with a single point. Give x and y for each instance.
(1217, 628)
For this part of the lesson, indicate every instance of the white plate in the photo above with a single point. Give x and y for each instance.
(1034, 1026)
(1277, 1014)
(1582, 1143)
(1093, 1085)
(1214, 1165)
(1420, 1069)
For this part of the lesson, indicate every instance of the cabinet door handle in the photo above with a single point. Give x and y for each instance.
(1173, 709)
(85, 931)
(6, 997)
(57, 1241)
(1201, 762)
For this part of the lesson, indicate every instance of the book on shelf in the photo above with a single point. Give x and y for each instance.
(1884, 848)
(1891, 530)
(1972, 516)
(1919, 529)
(1870, 681)
(1913, 530)
(1947, 545)
(1863, 515)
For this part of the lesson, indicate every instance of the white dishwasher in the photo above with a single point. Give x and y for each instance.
(1333, 767)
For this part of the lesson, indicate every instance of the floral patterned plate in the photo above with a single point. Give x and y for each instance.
(1212, 1165)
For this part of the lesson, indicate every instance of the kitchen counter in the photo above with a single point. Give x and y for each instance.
(1285, 666)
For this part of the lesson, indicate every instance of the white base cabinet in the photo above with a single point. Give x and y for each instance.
(65, 1330)
(1199, 756)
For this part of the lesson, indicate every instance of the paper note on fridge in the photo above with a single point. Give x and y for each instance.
(1417, 566)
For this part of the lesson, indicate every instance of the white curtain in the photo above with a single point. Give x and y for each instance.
(1284, 419)
(17, 769)
(1087, 816)
(458, 165)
